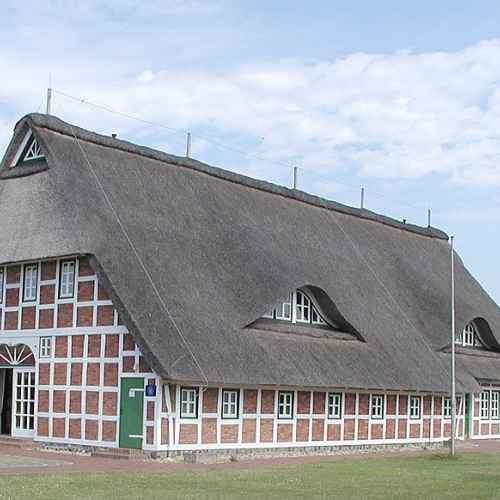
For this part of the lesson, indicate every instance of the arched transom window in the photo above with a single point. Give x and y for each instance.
(469, 336)
(297, 308)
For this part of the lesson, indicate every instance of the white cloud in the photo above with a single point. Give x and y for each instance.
(397, 115)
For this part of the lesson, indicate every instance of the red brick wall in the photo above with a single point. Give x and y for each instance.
(249, 431)
(302, 430)
(249, 401)
(285, 432)
(267, 405)
(303, 402)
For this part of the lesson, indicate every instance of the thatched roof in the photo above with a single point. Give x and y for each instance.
(220, 249)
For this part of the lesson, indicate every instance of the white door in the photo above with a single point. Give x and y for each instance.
(23, 402)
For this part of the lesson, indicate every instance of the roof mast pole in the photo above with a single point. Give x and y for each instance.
(362, 204)
(295, 177)
(453, 397)
(49, 100)
(188, 145)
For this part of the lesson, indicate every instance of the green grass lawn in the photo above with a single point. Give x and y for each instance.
(469, 476)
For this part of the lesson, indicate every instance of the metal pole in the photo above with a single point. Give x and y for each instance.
(429, 218)
(295, 177)
(49, 100)
(188, 145)
(453, 397)
(362, 197)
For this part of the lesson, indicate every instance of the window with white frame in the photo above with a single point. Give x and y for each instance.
(285, 404)
(45, 347)
(30, 282)
(297, 308)
(447, 407)
(377, 406)
(302, 308)
(230, 403)
(495, 395)
(415, 406)
(485, 404)
(33, 152)
(28, 151)
(335, 405)
(469, 336)
(189, 402)
(67, 279)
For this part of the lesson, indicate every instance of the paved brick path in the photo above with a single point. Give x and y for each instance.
(19, 461)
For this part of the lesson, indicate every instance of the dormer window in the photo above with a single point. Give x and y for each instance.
(297, 308)
(29, 151)
(469, 336)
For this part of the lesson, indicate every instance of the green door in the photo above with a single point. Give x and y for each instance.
(131, 412)
(468, 414)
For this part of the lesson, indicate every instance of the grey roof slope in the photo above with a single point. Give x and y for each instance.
(222, 248)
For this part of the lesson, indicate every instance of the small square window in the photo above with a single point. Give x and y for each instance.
(230, 404)
(67, 279)
(447, 407)
(30, 282)
(45, 347)
(377, 406)
(189, 402)
(334, 405)
(415, 404)
(285, 405)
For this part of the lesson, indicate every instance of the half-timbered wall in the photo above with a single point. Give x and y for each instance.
(77, 394)
(257, 425)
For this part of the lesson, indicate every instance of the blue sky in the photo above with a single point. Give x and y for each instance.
(402, 98)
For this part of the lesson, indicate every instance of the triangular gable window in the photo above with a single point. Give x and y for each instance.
(34, 151)
(29, 151)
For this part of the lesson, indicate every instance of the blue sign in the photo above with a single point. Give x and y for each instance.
(150, 390)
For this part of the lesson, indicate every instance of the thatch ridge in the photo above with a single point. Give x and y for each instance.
(56, 124)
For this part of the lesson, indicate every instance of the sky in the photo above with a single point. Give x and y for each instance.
(402, 98)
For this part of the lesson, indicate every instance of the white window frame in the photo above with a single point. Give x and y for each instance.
(230, 403)
(188, 402)
(484, 405)
(469, 336)
(494, 405)
(29, 271)
(285, 405)
(302, 307)
(447, 407)
(17, 158)
(415, 407)
(377, 403)
(23, 402)
(318, 320)
(45, 349)
(284, 310)
(335, 405)
(67, 279)
(295, 308)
